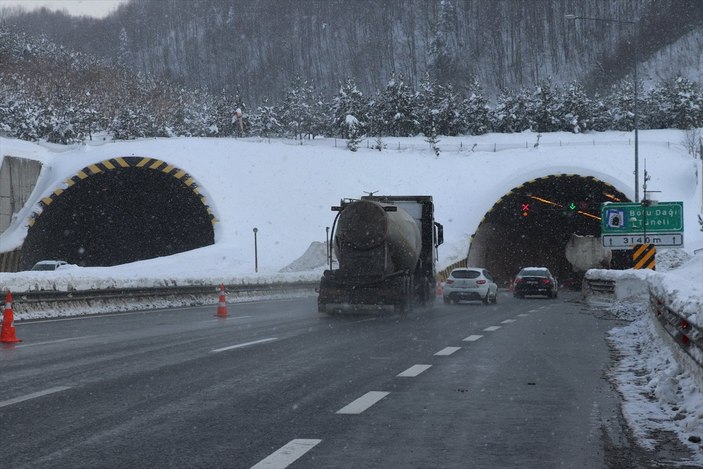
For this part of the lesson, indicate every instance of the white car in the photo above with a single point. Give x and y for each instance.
(48, 265)
(470, 283)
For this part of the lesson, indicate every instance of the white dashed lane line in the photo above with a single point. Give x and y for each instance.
(492, 328)
(34, 395)
(508, 321)
(287, 455)
(446, 351)
(523, 315)
(246, 344)
(414, 370)
(472, 338)
(57, 341)
(363, 403)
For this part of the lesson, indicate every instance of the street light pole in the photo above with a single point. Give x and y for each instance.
(636, 117)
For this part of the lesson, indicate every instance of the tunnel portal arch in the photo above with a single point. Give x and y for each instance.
(117, 211)
(532, 223)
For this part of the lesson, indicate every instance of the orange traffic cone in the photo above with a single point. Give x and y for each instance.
(222, 305)
(7, 335)
(440, 289)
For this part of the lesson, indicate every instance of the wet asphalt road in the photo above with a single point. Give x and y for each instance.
(517, 384)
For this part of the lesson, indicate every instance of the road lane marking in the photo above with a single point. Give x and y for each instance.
(228, 317)
(533, 310)
(57, 341)
(33, 395)
(363, 403)
(287, 455)
(414, 370)
(446, 351)
(363, 320)
(508, 321)
(245, 344)
(492, 328)
(523, 315)
(472, 338)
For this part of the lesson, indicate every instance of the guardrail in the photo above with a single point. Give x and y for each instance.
(687, 335)
(126, 299)
(596, 285)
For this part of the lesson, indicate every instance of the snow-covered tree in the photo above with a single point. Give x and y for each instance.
(265, 121)
(475, 110)
(544, 107)
(348, 101)
(395, 108)
(353, 132)
(511, 112)
(576, 109)
(677, 104)
(297, 112)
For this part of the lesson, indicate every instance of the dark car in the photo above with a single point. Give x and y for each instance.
(535, 281)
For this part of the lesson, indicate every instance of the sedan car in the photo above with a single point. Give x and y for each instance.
(470, 283)
(535, 281)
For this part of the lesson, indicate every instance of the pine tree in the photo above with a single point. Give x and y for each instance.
(620, 102)
(511, 112)
(544, 106)
(353, 132)
(396, 104)
(265, 121)
(475, 110)
(576, 110)
(348, 101)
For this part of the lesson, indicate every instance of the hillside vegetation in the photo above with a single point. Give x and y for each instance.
(157, 77)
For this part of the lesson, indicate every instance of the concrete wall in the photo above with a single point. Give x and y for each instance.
(18, 176)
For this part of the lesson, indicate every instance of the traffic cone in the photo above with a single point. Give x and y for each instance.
(7, 335)
(440, 289)
(222, 305)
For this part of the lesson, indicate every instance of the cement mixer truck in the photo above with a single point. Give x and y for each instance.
(386, 249)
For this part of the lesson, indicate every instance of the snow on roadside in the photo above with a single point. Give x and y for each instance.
(660, 390)
(659, 395)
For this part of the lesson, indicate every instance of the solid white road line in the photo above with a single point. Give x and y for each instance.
(414, 371)
(473, 338)
(33, 395)
(288, 454)
(447, 351)
(246, 344)
(492, 328)
(508, 321)
(363, 403)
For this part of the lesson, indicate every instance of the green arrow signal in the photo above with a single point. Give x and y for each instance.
(572, 206)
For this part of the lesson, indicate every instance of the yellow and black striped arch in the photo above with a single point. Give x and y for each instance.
(149, 164)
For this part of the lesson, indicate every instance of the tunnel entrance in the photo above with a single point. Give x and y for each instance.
(119, 211)
(531, 225)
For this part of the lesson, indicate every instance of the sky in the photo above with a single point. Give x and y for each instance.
(286, 189)
(94, 8)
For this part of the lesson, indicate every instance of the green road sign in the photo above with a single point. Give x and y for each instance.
(630, 218)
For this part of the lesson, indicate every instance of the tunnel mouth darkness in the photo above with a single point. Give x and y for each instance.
(120, 211)
(532, 224)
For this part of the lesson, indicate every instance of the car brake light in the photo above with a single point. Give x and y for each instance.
(449, 282)
(518, 280)
(546, 281)
(480, 282)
